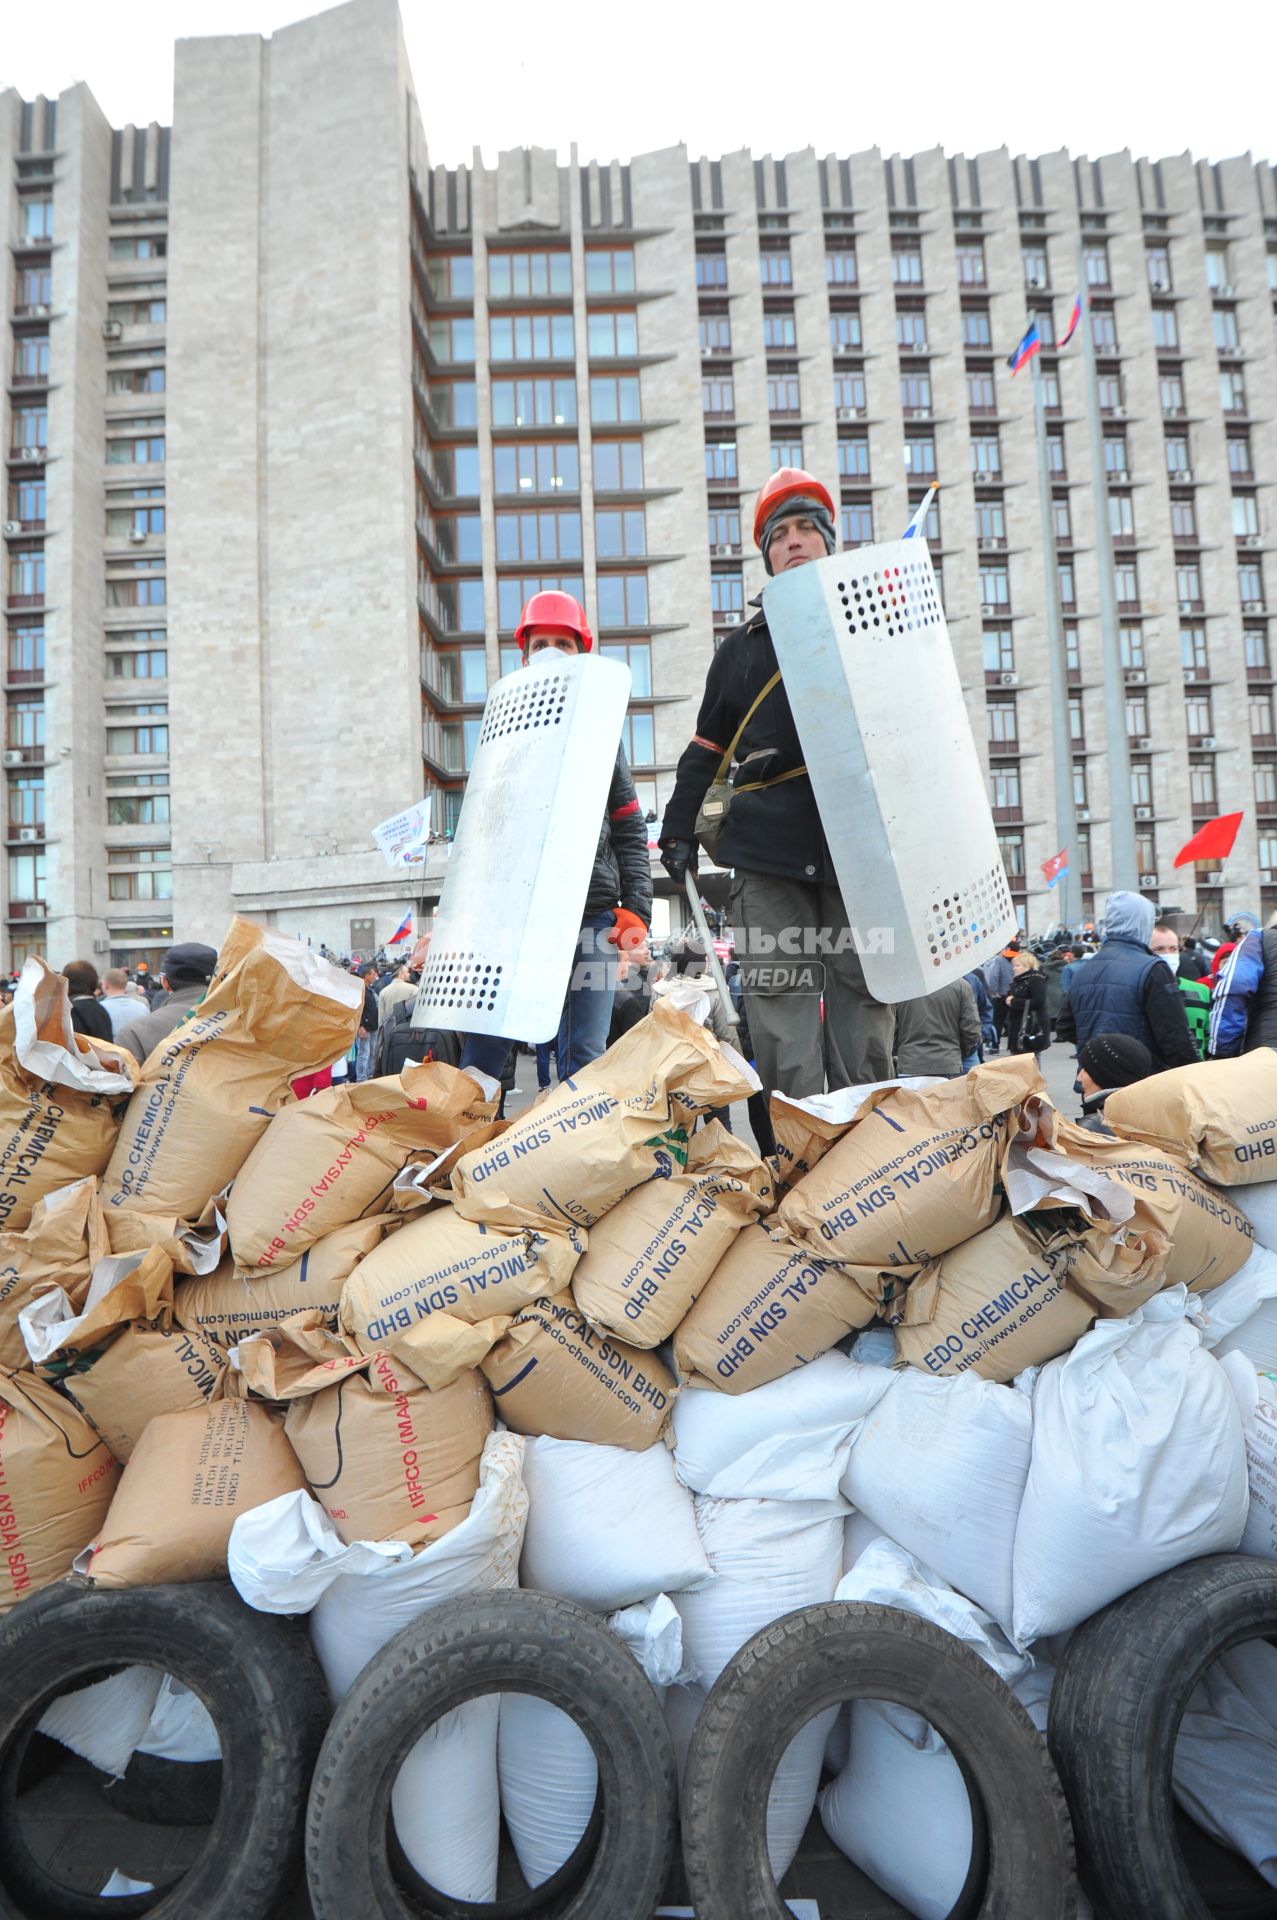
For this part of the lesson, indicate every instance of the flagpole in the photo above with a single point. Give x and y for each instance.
(1121, 811)
(1061, 732)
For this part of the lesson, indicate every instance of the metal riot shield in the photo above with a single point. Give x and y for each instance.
(864, 651)
(505, 936)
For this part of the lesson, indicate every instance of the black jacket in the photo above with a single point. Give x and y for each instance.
(778, 830)
(622, 873)
(1028, 1014)
(90, 1017)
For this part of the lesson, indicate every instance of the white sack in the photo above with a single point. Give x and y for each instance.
(104, 1722)
(1138, 1464)
(1259, 1204)
(1241, 1314)
(607, 1526)
(788, 1440)
(1225, 1762)
(940, 1466)
(1256, 1395)
(181, 1727)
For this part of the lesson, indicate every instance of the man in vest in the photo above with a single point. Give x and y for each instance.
(1243, 1011)
(1127, 989)
(785, 894)
(1165, 944)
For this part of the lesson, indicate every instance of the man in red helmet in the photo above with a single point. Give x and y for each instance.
(786, 906)
(618, 904)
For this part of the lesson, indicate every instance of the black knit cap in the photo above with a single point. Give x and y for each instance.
(1115, 1059)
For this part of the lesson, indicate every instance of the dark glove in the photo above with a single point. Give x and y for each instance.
(676, 857)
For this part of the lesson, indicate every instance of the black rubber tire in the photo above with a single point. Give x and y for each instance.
(1119, 1696)
(1022, 1859)
(495, 1643)
(263, 1688)
(167, 1793)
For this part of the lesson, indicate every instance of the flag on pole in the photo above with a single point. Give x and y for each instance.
(1213, 842)
(403, 931)
(914, 530)
(1056, 867)
(1074, 317)
(1031, 344)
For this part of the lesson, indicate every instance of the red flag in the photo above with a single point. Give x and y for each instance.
(1212, 842)
(1055, 866)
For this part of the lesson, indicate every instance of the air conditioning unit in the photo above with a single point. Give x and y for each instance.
(1225, 292)
(990, 541)
(101, 946)
(1252, 539)
(1190, 673)
(1253, 606)
(1148, 879)
(1082, 815)
(1135, 676)
(1160, 286)
(1119, 476)
(1008, 679)
(1141, 744)
(13, 526)
(1207, 741)
(137, 537)
(1143, 813)
(32, 453)
(42, 312)
(1119, 413)
(1186, 606)
(27, 833)
(720, 549)
(1212, 879)
(13, 756)
(1182, 476)
(111, 329)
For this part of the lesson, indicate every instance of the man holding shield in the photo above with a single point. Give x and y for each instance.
(790, 920)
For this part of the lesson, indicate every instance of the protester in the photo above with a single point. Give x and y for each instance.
(1126, 989)
(785, 884)
(1053, 968)
(938, 1032)
(984, 1007)
(120, 1006)
(1028, 1028)
(1108, 1061)
(1243, 1012)
(367, 1026)
(88, 1016)
(185, 974)
(1164, 942)
(998, 975)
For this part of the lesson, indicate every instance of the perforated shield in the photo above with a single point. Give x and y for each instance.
(863, 646)
(504, 938)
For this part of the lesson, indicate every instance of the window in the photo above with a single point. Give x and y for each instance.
(1157, 261)
(1112, 395)
(121, 521)
(990, 520)
(147, 451)
(136, 593)
(1011, 847)
(531, 403)
(615, 397)
(543, 466)
(149, 663)
(779, 330)
(1216, 267)
(980, 393)
(970, 258)
(552, 535)
(520, 276)
(638, 737)
(26, 652)
(720, 460)
(1245, 516)
(26, 876)
(1002, 729)
(840, 266)
(1121, 516)
(998, 650)
(1201, 785)
(716, 333)
(623, 600)
(455, 605)
(1227, 338)
(915, 393)
(931, 525)
(452, 339)
(531, 336)
(611, 334)
(26, 803)
(455, 402)
(37, 219)
(1095, 257)
(1255, 642)
(31, 356)
(1004, 789)
(906, 263)
(609, 270)
(849, 392)
(975, 328)
(1239, 455)
(911, 330)
(637, 656)
(1068, 586)
(1115, 455)
(618, 466)
(711, 269)
(1178, 457)
(29, 427)
(1131, 645)
(1072, 651)
(724, 527)
(718, 397)
(138, 313)
(775, 268)
(787, 452)
(620, 535)
(1197, 715)
(1250, 582)
(25, 725)
(857, 523)
(26, 575)
(782, 394)
(853, 459)
(141, 739)
(450, 276)
(844, 330)
(514, 590)
(1170, 389)
(1266, 785)
(986, 455)
(995, 587)
(142, 246)
(34, 288)
(920, 456)
(138, 810)
(727, 597)
(1126, 573)
(136, 380)
(1033, 259)
(1267, 846)
(1232, 391)
(1141, 784)
(1165, 330)
(149, 884)
(1055, 453)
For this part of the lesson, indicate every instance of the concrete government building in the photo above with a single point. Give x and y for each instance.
(294, 420)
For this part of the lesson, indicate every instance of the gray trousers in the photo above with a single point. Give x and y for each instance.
(783, 976)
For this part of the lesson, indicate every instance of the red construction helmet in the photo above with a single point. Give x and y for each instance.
(552, 608)
(787, 483)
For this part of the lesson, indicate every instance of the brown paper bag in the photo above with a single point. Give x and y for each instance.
(194, 1247)
(144, 1372)
(1010, 1298)
(388, 1459)
(228, 1306)
(916, 1174)
(620, 1121)
(440, 1263)
(297, 1358)
(327, 1160)
(1219, 1116)
(192, 1474)
(208, 1091)
(124, 1288)
(61, 1098)
(56, 1483)
(64, 1241)
(553, 1374)
(651, 1255)
(803, 1137)
(767, 1308)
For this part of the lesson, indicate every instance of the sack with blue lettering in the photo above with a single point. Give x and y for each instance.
(625, 1118)
(552, 1373)
(1220, 1116)
(228, 1305)
(60, 1247)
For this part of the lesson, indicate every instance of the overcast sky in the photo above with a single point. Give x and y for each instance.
(1091, 75)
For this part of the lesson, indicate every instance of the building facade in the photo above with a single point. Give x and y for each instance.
(295, 421)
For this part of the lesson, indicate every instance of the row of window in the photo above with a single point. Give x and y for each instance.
(456, 606)
(610, 334)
